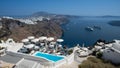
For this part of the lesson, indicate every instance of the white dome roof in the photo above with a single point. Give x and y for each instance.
(50, 38)
(35, 40)
(60, 40)
(31, 37)
(25, 40)
(42, 38)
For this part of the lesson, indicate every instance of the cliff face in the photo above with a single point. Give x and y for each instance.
(18, 30)
(7, 25)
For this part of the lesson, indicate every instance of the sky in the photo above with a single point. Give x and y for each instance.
(70, 7)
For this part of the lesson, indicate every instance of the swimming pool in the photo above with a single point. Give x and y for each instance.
(48, 57)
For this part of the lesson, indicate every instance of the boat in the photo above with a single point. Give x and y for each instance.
(89, 28)
(97, 27)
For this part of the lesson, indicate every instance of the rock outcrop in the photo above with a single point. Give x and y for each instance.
(17, 30)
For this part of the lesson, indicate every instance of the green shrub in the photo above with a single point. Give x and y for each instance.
(99, 54)
(70, 51)
(93, 62)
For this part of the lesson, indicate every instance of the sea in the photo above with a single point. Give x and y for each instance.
(75, 33)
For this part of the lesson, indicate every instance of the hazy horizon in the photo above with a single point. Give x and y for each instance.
(67, 7)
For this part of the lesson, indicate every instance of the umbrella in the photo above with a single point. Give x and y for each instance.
(85, 48)
(36, 47)
(29, 46)
(35, 40)
(60, 40)
(42, 38)
(52, 45)
(59, 45)
(50, 39)
(42, 44)
(31, 37)
(25, 40)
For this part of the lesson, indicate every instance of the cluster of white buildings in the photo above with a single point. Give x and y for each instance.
(31, 20)
(110, 51)
(7, 17)
(11, 55)
(12, 50)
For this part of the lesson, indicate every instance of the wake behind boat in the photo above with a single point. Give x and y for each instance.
(89, 28)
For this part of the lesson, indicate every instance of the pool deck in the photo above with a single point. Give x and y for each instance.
(14, 47)
(62, 57)
(74, 64)
(5, 64)
(10, 59)
(77, 60)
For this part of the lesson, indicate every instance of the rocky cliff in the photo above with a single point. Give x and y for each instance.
(17, 30)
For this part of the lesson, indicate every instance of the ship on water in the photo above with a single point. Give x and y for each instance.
(97, 27)
(89, 28)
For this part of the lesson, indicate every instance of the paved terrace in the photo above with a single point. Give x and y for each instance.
(77, 60)
(5, 64)
(14, 47)
(24, 63)
(10, 59)
(28, 62)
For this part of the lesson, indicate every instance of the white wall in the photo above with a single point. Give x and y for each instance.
(112, 56)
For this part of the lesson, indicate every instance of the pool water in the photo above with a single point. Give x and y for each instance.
(49, 57)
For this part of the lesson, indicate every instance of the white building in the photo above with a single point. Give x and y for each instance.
(37, 18)
(113, 53)
(8, 17)
(27, 21)
(23, 60)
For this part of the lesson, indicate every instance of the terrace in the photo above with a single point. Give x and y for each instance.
(43, 44)
(41, 52)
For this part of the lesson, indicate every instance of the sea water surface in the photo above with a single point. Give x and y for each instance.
(75, 33)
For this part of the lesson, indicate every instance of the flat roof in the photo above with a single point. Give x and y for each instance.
(10, 59)
(14, 47)
(27, 64)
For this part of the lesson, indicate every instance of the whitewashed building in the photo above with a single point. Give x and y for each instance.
(8, 17)
(113, 53)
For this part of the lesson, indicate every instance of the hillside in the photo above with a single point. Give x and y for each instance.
(114, 23)
(19, 30)
(93, 62)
